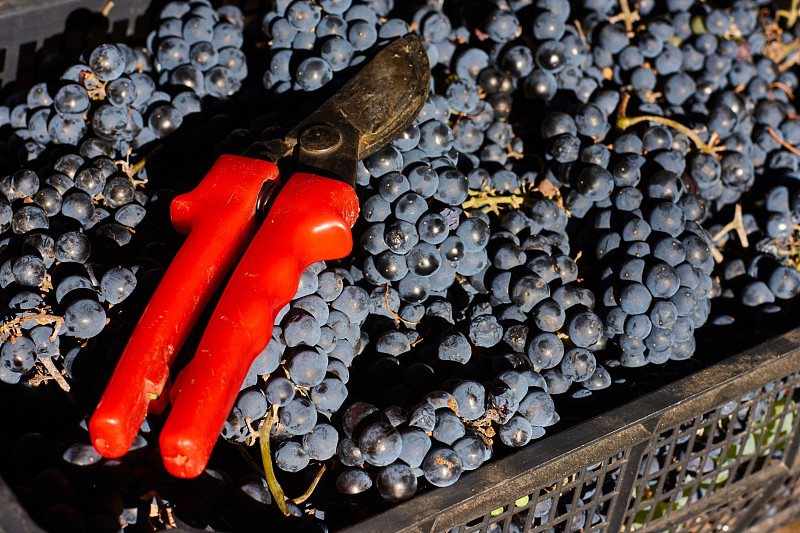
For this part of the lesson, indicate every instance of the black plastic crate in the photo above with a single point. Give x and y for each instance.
(33, 28)
(715, 450)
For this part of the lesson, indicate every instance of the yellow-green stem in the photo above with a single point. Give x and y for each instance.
(138, 166)
(790, 15)
(307, 494)
(491, 201)
(266, 458)
(624, 123)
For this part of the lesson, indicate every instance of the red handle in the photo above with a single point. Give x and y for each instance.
(219, 218)
(310, 221)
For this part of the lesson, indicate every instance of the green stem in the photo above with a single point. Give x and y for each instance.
(307, 494)
(266, 459)
(138, 166)
(624, 123)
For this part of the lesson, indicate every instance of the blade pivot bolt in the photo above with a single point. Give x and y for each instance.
(319, 138)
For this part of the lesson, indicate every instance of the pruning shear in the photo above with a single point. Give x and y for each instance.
(307, 218)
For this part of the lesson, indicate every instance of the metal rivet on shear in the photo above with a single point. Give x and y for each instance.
(319, 138)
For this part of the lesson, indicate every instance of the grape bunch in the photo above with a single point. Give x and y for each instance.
(199, 48)
(63, 115)
(312, 41)
(706, 72)
(62, 220)
(305, 365)
(132, 96)
(758, 283)
(67, 218)
(652, 260)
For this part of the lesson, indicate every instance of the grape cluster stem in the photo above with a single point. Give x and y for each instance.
(269, 472)
(736, 225)
(624, 122)
(625, 15)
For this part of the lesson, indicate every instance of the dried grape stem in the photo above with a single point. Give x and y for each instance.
(581, 33)
(627, 16)
(132, 170)
(717, 255)
(783, 143)
(734, 225)
(107, 8)
(488, 199)
(53, 371)
(491, 203)
(96, 88)
(12, 327)
(780, 85)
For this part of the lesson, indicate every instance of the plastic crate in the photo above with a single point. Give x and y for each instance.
(628, 461)
(715, 450)
(31, 28)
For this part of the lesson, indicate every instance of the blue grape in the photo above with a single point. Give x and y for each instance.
(485, 331)
(415, 445)
(380, 444)
(353, 481)
(470, 398)
(18, 357)
(279, 391)
(578, 364)
(396, 482)
(291, 457)
(545, 350)
(448, 427)
(321, 442)
(117, 284)
(537, 407)
(502, 25)
(442, 467)
(298, 417)
(300, 328)
(84, 318)
(516, 432)
(307, 367)
(107, 62)
(471, 451)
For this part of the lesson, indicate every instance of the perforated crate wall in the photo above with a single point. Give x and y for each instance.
(781, 505)
(579, 500)
(714, 451)
(29, 29)
(694, 460)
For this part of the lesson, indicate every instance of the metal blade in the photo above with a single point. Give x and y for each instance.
(372, 109)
